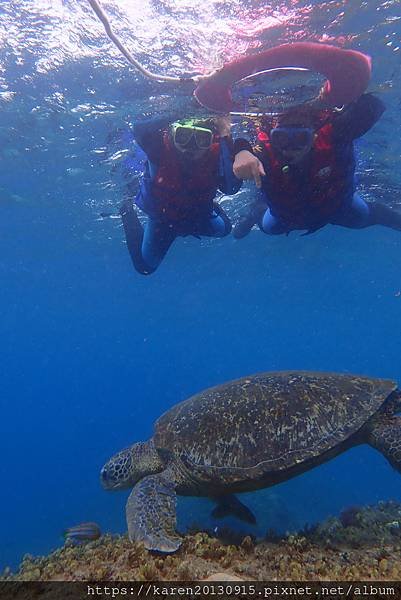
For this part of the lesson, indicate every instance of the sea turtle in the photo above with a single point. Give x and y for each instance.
(248, 434)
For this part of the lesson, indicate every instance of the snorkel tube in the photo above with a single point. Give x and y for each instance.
(347, 71)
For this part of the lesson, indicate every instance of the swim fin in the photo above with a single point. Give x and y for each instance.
(134, 236)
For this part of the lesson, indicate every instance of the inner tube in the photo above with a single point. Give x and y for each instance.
(347, 71)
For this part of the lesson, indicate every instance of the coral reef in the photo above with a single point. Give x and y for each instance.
(363, 543)
(358, 526)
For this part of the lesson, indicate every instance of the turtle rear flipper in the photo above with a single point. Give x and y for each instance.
(385, 436)
(151, 514)
(230, 505)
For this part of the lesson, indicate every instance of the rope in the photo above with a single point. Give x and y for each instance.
(155, 77)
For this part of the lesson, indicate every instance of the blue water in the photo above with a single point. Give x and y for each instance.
(92, 353)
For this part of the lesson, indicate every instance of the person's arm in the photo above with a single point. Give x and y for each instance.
(148, 135)
(241, 144)
(357, 118)
(228, 182)
(247, 165)
(237, 161)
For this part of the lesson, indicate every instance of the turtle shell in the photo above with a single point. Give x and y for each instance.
(269, 421)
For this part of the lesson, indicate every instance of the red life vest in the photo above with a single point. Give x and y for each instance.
(305, 201)
(183, 191)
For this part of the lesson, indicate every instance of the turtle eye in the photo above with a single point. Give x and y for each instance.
(104, 474)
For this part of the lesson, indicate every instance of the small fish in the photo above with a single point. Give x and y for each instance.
(84, 532)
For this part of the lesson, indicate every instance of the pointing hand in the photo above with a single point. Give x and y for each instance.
(248, 166)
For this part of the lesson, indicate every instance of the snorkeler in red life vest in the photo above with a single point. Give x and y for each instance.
(304, 165)
(187, 163)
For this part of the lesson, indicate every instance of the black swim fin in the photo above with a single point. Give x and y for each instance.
(230, 505)
(134, 235)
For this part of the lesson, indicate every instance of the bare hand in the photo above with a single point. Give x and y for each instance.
(248, 166)
(223, 125)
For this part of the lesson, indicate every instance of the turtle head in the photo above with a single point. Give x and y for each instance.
(128, 466)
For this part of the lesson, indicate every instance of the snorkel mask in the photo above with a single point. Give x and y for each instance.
(292, 138)
(190, 137)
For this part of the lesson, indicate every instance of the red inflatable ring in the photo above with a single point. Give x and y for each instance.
(348, 72)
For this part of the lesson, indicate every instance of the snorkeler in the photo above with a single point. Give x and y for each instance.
(187, 162)
(304, 165)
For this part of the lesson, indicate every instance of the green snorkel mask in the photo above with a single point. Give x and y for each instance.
(188, 136)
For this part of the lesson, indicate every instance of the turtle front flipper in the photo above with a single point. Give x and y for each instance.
(151, 514)
(385, 436)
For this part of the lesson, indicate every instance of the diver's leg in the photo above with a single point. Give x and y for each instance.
(253, 216)
(157, 240)
(218, 225)
(381, 214)
(134, 236)
(354, 215)
(271, 225)
(361, 214)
